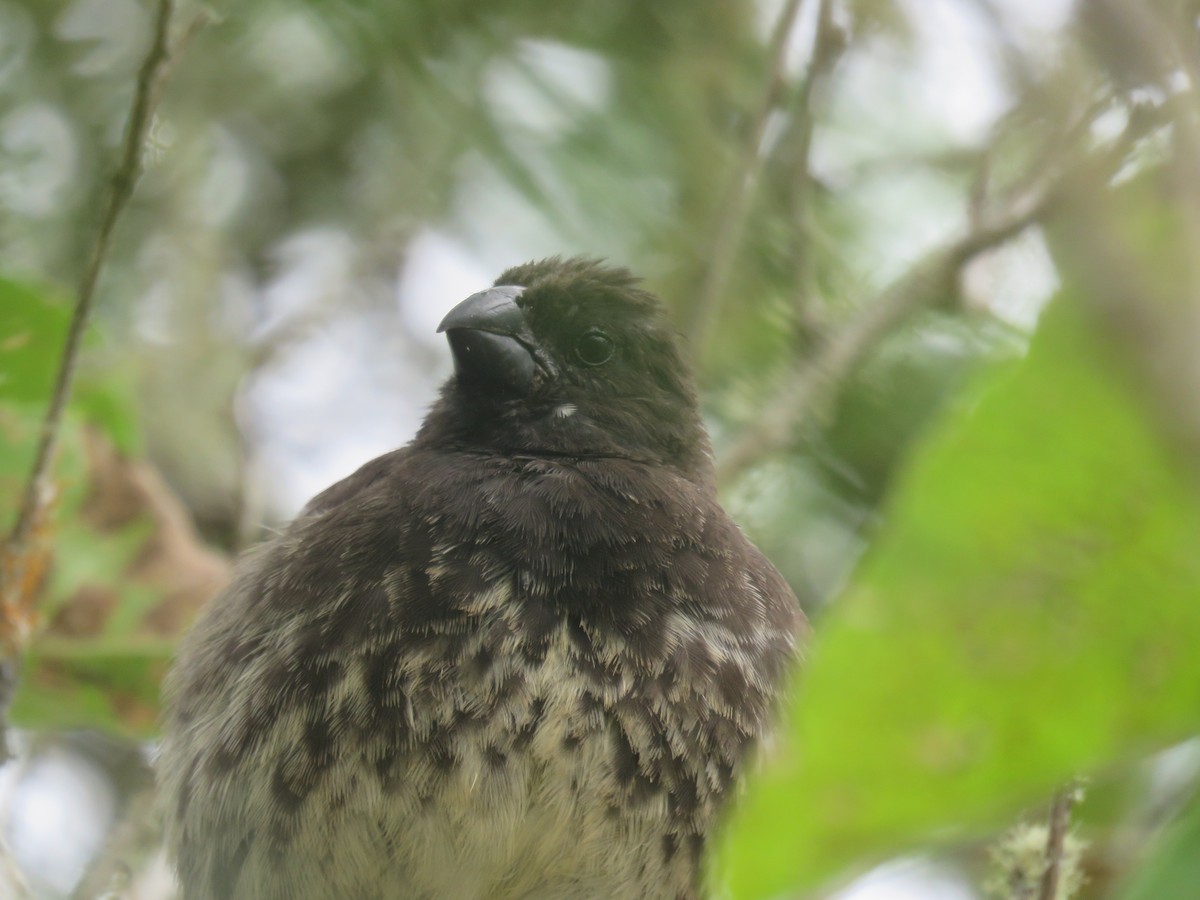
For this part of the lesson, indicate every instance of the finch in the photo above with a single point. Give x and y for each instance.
(525, 656)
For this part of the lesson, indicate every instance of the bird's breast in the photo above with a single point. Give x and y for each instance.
(494, 760)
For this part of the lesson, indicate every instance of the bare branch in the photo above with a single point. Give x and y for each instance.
(39, 489)
(1056, 836)
(735, 207)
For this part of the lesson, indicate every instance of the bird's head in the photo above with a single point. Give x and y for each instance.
(569, 358)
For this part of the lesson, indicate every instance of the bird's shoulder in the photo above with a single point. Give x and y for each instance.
(582, 521)
(644, 563)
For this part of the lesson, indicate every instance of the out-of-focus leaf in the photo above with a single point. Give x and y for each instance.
(24, 566)
(1029, 613)
(126, 574)
(108, 685)
(891, 400)
(78, 558)
(19, 427)
(87, 557)
(108, 404)
(65, 705)
(1175, 870)
(32, 327)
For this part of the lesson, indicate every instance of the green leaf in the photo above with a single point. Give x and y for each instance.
(108, 404)
(87, 557)
(20, 425)
(32, 328)
(1174, 871)
(88, 683)
(105, 680)
(1029, 613)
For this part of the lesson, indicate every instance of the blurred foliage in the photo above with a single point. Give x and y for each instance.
(1173, 871)
(33, 323)
(1027, 613)
(33, 329)
(105, 674)
(322, 177)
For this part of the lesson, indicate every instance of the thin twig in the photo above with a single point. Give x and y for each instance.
(122, 186)
(177, 49)
(828, 44)
(1056, 836)
(735, 206)
(39, 489)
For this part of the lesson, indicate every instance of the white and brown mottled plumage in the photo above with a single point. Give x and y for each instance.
(524, 657)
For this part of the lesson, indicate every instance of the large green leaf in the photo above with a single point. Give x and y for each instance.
(1030, 612)
(1174, 871)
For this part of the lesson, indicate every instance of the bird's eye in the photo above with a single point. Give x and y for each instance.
(595, 348)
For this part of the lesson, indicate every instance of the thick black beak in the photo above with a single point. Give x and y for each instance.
(491, 341)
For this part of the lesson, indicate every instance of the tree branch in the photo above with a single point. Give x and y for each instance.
(828, 45)
(19, 550)
(1056, 836)
(735, 206)
(819, 378)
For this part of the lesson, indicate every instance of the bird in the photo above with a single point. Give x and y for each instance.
(528, 655)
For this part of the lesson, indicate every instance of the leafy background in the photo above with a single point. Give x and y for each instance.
(936, 264)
